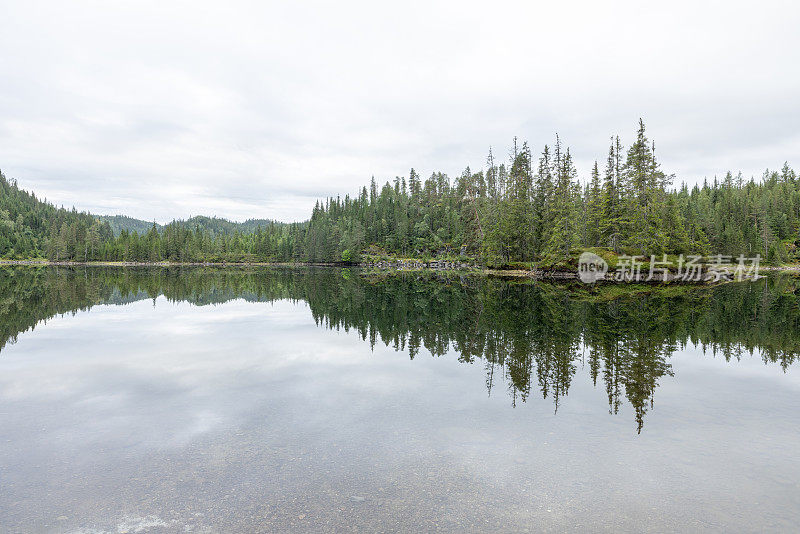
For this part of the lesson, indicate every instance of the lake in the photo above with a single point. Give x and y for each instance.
(324, 400)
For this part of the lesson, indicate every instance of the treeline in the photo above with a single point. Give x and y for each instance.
(531, 209)
(528, 209)
(177, 242)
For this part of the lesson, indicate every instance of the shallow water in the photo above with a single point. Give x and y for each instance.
(203, 400)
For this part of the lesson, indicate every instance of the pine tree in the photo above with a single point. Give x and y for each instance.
(595, 210)
(542, 196)
(561, 232)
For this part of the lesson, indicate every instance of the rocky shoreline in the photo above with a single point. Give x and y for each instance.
(401, 265)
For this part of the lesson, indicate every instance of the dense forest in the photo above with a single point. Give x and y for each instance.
(530, 338)
(29, 227)
(527, 209)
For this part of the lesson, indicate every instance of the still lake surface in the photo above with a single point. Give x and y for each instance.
(266, 399)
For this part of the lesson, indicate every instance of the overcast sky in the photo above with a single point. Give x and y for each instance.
(164, 110)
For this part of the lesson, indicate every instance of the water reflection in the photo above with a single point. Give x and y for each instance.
(530, 338)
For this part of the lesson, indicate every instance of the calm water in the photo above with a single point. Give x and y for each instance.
(202, 400)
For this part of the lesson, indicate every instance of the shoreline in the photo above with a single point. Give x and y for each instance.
(370, 268)
(49, 263)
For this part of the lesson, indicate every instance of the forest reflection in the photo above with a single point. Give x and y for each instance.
(531, 338)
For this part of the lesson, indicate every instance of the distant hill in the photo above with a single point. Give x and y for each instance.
(211, 225)
(119, 223)
(217, 226)
(35, 228)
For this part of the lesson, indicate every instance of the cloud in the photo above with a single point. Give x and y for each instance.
(256, 109)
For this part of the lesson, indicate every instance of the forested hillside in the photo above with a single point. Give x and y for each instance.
(118, 223)
(30, 227)
(531, 208)
(211, 225)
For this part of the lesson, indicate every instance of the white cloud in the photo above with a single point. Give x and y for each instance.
(162, 110)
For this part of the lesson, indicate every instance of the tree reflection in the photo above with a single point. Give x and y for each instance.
(529, 337)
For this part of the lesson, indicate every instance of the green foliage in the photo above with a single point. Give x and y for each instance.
(509, 213)
(506, 214)
(32, 228)
(118, 223)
